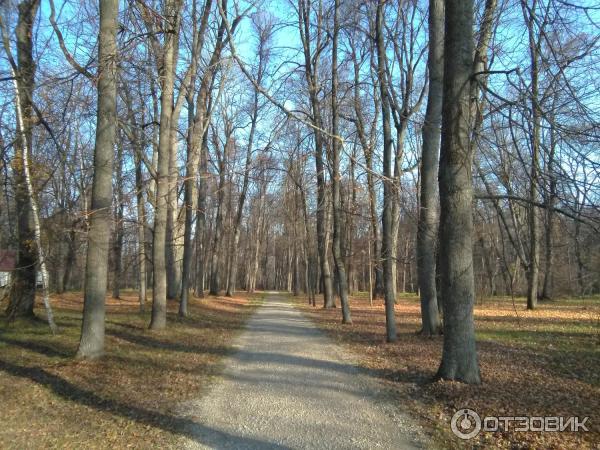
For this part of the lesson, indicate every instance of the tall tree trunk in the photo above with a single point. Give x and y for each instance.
(70, 257)
(459, 356)
(189, 202)
(533, 219)
(388, 189)
(24, 78)
(579, 259)
(136, 144)
(259, 226)
(396, 186)
(199, 153)
(368, 155)
(218, 232)
(92, 330)
(141, 232)
(350, 227)
(296, 281)
(311, 72)
(308, 254)
(338, 253)
(201, 218)
(172, 246)
(159, 277)
(22, 292)
(551, 194)
(118, 240)
(37, 229)
(245, 183)
(428, 204)
(196, 133)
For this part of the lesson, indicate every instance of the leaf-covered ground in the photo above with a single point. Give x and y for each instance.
(127, 398)
(533, 363)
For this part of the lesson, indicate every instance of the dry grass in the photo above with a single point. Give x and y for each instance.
(536, 363)
(125, 399)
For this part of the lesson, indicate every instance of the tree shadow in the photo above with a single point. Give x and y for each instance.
(148, 341)
(177, 425)
(44, 349)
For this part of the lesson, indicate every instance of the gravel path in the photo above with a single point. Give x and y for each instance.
(290, 386)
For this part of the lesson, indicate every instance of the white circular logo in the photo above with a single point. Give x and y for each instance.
(465, 423)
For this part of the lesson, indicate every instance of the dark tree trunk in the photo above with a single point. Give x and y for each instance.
(69, 260)
(459, 356)
(22, 293)
(535, 137)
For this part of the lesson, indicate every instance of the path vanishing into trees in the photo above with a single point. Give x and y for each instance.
(288, 385)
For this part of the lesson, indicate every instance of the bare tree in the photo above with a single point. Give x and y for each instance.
(428, 207)
(91, 344)
(22, 292)
(264, 29)
(338, 255)
(169, 57)
(388, 189)
(311, 69)
(459, 357)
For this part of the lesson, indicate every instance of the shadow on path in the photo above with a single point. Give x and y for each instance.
(176, 425)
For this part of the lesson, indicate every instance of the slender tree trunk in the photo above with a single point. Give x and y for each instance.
(428, 205)
(201, 219)
(69, 260)
(172, 247)
(218, 234)
(373, 218)
(311, 71)
(308, 254)
(24, 77)
(533, 218)
(136, 144)
(37, 229)
(118, 241)
(579, 260)
(296, 265)
(459, 356)
(259, 226)
(338, 255)
(159, 278)
(195, 140)
(242, 197)
(92, 330)
(548, 289)
(350, 227)
(189, 202)
(141, 233)
(388, 190)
